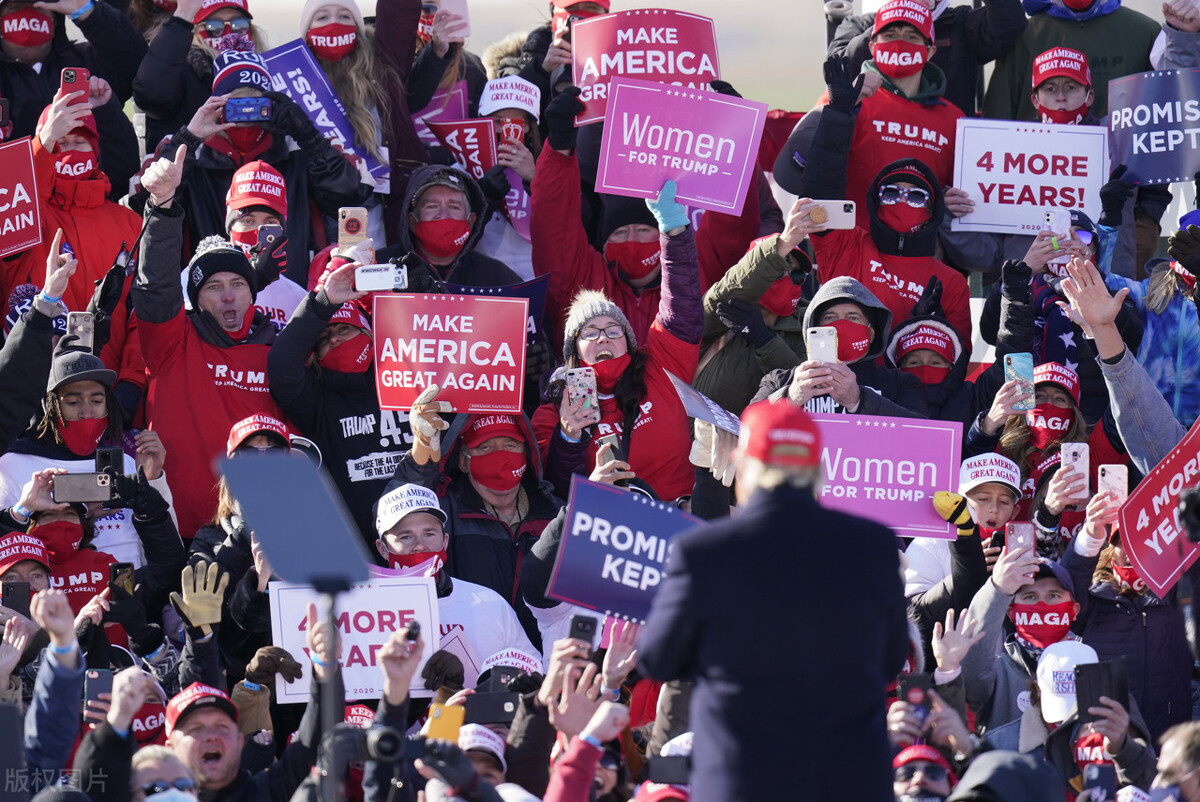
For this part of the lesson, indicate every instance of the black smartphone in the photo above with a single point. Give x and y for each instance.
(110, 460)
(1101, 775)
(120, 575)
(500, 677)
(914, 689)
(268, 235)
(15, 596)
(1093, 680)
(669, 770)
(95, 682)
(615, 441)
(583, 627)
(491, 708)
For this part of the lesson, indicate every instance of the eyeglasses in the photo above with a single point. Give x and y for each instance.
(592, 334)
(1084, 236)
(890, 194)
(216, 27)
(157, 787)
(258, 451)
(932, 771)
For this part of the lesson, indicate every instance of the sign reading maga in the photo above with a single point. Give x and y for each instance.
(472, 347)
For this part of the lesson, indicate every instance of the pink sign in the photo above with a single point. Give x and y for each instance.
(517, 204)
(887, 469)
(704, 141)
(471, 142)
(446, 104)
(1150, 529)
(671, 47)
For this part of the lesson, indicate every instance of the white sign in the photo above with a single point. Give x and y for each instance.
(366, 617)
(1017, 171)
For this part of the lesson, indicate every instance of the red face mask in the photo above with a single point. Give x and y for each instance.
(27, 27)
(75, 165)
(1078, 5)
(442, 239)
(635, 259)
(1063, 116)
(928, 374)
(352, 356)
(333, 42)
(853, 340)
(1189, 278)
(419, 563)
(1128, 577)
(82, 436)
(1042, 624)
(62, 539)
(1089, 748)
(900, 59)
(608, 371)
(1048, 423)
(782, 297)
(248, 240)
(245, 139)
(499, 470)
(902, 218)
(247, 322)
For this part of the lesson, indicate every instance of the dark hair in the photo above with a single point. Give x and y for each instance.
(89, 526)
(48, 429)
(629, 391)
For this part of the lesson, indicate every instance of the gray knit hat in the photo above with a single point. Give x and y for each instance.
(589, 304)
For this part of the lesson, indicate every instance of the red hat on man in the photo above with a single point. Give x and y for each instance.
(485, 427)
(246, 428)
(780, 434)
(926, 753)
(194, 697)
(915, 12)
(1063, 376)
(1061, 61)
(19, 547)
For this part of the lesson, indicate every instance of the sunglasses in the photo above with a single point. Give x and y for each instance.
(611, 333)
(932, 771)
(182, 784)
(915, 197)
(1084, 236)
(216, 27)
(259, 450)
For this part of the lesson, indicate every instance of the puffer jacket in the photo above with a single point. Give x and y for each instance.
(173, 80)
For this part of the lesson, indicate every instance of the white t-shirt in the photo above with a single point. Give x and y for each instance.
(928, 563)
(478, 621)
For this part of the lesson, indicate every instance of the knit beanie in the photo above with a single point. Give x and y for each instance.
(310, 10)
(589, 304)
(234, 69)
(217, 255)
(620, 210)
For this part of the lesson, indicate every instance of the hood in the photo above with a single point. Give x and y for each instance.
(931, 89)
(451, 443)
(936, 395)
(919, 243)
(1055, 8)
(844, 288)
(421, 177)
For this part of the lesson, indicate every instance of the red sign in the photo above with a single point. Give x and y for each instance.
(471, 347)
(471, 142)
(20, 213)
(1151, 532)
(651, 44)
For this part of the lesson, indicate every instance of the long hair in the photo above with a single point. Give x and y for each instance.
(148, 17)
(1016, 441)
(359, 80)
(1162, 288)
(226, 504)
(49, 428)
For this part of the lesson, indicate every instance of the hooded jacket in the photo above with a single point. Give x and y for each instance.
(954, 398)
(884, 391)
(172, 81)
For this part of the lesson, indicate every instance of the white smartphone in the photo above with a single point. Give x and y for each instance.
(83, 325)
(834, 214)
(1114, 479)
(1075, 456)
(1057, 221)
(822, 344)
(386, 277)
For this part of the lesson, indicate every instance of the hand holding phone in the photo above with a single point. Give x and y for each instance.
(822, 344)
(1019, 535)
(75, 79)
(1019, 367)
(445, 721)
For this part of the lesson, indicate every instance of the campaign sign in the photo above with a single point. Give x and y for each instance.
(1151, 532)
(706, 142)
(295, 72)
(518, 204)
(699, 406)
(446, 104)
(614, 549)
(1154, 125)
(472, 143)
(366, 617)
(534, 290)
(1016, 172)
(473, 348)
(887, 469)
(654, 44)
(20, 212)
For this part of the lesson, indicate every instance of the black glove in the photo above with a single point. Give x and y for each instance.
(1113, 196)
(495, 184)
(1016, 275)
(1184, 247)
(288, 119)
(125, 610)
(725, 88)
(136, 493)
(420, 278)
(451, 764)
(268, 262)
(746, 320)
(443, 669)
(930, 302)
(538, 361)
(844, 83)
(560, 118)
(104, 302)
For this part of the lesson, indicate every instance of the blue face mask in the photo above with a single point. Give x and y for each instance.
(1169, 794)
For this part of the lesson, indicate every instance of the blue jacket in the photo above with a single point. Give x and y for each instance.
(52, 720)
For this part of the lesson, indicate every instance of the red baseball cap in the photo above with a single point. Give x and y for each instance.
(780, 433)
(19, 547)
(257, 183)
(485, 427)
(194, 697)
(928, 337)
(915, 12)
(657, 792)
(1063, 376)
(246, 428)
(352, 314)
(209, 6)
(1061, 61)
(923, 752)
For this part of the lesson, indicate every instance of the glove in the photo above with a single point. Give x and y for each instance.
(420, 277)
(450, 764)
(427, 425)
(269, 661)
(104, 302)
(288, 119)
(669, 214)
(930, 302)
(844, 82)
(1016, 275)
(725, 88)
(136, 493)
(443, 670)
(538, 361)
(713, 449)
(203, 593)
(953, 508)
(1113, 196)
(269, 263)
(495, 184)
(1184, 248)
(559, 117)
(746, 320)
(362, 252)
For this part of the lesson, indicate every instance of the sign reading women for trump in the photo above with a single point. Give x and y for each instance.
(887, 469)
(706, 142)
(614, 549)
(671, 47)
(1016, 172)
(20, 213)
(1154, 125)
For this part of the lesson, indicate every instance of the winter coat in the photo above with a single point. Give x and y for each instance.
(52, 720)
(966, 39)
(883, 391)
(724, 587)
(172, 82)
(1141, 415)
(25, 360)
(954, 398)
(196, 369)
(942, 575)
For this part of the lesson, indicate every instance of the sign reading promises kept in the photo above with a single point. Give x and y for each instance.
(1154, 125)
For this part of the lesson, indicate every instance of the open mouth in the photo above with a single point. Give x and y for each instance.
(230, 316)
(604, 353)
(210, 758)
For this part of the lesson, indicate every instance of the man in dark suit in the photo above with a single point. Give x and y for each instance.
(791, 620)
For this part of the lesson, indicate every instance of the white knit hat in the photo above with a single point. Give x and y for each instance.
(589, 304)
(310, 10)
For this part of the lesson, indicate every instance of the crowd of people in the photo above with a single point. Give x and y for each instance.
(191, 299)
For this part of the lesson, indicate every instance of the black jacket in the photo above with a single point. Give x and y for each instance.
(174, 80)
(24, 371)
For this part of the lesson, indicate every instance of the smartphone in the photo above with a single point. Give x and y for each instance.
(95, 682)
(445, 721)
(674, 770)
(1058, 221)
(491, 707)
(581, 384)
(110, 460)
(500, 677)
(352, 226)
(66, 488)
(836, 214)
(1019, 367)
(1114, 479)
(83, 326)
(268, 235)
(1101, 775)
(251, 110)
(914, 689)
(1075, 455)
(1092, 680)
(15, 596)
(583, 627)
(822, 344)
(120, 575)
(1019, 535)
(381, 278)
(75, 79)
(614, 441)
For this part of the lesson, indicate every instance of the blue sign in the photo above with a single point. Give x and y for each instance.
(534, 291)
(1154, 125)
(614, 549)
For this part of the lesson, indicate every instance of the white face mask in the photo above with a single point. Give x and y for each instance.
(173, 795)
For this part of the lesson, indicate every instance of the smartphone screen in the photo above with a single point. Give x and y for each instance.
(120, 575)
(1019, 367)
